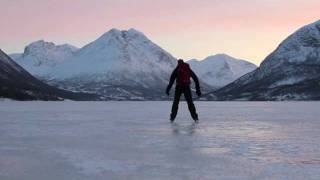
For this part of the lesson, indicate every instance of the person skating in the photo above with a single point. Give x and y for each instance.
(182, 74)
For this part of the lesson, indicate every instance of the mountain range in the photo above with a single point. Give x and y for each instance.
(121, 65)
(126, 65)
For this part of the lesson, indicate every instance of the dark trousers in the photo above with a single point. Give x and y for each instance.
(188, 96)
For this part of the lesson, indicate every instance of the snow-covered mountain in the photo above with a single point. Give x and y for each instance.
(17, 83)
(221, 69)
(118, 65)
(291, 72)
(40, 57)
(121, 55)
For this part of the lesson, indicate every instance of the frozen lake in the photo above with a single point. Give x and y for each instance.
(134, 140)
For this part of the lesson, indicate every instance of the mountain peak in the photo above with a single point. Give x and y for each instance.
(41, 45)
(118, 31)
(39, 56)
(219, 58)
(294, 49)
(222, 55)
(220, 69)
(113, 31)
(122, 34)
(40, 41)
(133, 31)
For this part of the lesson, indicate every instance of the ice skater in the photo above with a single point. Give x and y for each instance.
(182, 74)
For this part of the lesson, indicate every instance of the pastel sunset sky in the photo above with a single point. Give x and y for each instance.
(247, 29)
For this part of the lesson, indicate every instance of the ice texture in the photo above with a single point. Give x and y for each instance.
(134, 140)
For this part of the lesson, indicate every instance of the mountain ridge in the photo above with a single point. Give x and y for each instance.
(17, 83)
(290, 72)
(119, 64)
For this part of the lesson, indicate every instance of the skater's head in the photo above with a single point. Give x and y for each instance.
(180, 61)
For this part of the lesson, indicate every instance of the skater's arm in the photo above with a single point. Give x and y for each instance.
(196, 80)
(172, 78)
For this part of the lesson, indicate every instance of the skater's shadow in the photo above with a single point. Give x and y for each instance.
(178, 129)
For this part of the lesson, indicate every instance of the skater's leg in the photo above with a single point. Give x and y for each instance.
(175, 104)
(192, 108)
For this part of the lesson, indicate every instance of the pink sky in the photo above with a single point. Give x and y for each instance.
(248, 29)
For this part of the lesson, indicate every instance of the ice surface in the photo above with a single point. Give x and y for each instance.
(134, 140)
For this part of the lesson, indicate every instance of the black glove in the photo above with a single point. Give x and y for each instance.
(198, 92)
(168, 91)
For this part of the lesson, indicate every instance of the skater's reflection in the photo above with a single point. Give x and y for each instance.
(178, 129)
